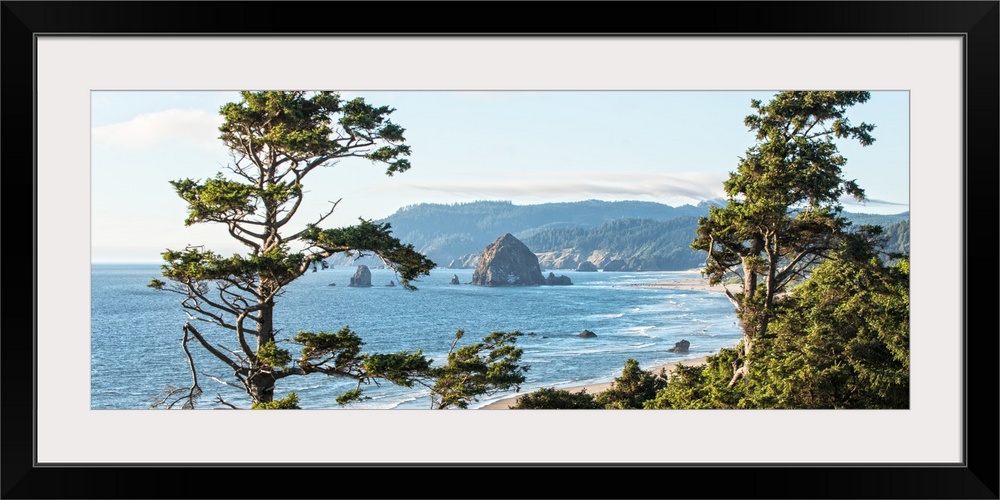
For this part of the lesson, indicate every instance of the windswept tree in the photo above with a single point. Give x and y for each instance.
(275, 140)
(783, 214)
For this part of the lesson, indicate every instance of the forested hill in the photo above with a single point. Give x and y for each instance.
(646, 235)
(446, 232)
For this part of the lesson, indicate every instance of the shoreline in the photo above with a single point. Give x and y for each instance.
(504, 403)
(694, 284)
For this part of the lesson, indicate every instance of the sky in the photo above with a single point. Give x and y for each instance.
(528, 147)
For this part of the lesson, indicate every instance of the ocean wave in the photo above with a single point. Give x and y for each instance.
(641, 331)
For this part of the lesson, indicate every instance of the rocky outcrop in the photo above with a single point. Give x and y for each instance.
(587, 334)
(571, 258)
(680, 347)
(615, 266)
(469, 261)
(554, 280)
(362, 277)
(586, 267)
(507, 262)
(454, 279)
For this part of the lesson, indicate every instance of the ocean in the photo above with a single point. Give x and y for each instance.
(136, 331)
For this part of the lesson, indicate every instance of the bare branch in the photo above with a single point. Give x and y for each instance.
(187, 394)
(230, 384)
(218, 399)
(242, 339)
(222, 357)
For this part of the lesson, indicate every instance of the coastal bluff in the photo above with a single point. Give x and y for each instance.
(509, 262)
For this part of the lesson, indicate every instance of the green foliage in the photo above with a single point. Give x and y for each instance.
(217, 199)
(471, 371)
(897, 238)
(445, 232)
(302, 126)
(700, 387)
(645, 245)
(289, 402)
(841, 340)
(825, 320)
(270, 355)
(783, 213)
(340, 354)
(486, 367)
(376, 238)
(341, 349)
(349, 397)
(631, 389)
(401, 368)
(555, 399)
(648, 236)
(276, 139)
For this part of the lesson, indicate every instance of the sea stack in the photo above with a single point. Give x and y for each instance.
(508, 262)
(362, 277)
(680, 347)
(558, 280)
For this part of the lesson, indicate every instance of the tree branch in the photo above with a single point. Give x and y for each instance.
(222, 357)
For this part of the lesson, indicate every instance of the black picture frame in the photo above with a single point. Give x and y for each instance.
(977, 22)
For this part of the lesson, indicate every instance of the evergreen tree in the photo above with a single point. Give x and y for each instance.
(276, 139)
(840, 340)
(632, 388)
(783, 214)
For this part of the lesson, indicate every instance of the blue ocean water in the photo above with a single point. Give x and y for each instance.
(136, 331)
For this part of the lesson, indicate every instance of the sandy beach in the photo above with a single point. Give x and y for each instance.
(697, 284)
(681, 284)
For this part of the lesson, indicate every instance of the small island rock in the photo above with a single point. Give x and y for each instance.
(587, 334)
(586, 267)
(557, 280)
(680, 347)
(454, 279)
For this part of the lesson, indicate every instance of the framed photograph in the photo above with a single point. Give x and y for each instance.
(76, 70)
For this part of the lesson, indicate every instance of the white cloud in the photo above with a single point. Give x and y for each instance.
(190, 126)
(876, 206)
(669, 188)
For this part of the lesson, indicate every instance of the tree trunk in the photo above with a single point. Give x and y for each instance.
(260, 386)
(749, 317)
(260, 381)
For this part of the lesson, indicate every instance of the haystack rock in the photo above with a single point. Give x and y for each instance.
(454, 279)
(508, 262)
(680, 347)
(362, 277)
(587, 334)
(586, 266)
